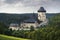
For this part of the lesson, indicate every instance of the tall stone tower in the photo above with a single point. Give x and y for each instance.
(41, 14)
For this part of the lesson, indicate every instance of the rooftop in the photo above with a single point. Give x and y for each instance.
(30, 21)
(41, 9)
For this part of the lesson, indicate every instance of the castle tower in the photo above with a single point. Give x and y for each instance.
(41, 14)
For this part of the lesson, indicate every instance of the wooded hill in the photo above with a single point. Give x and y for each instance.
(17, 18)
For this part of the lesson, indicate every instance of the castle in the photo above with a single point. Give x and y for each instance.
(36, 22)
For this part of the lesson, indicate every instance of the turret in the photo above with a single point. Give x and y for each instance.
(41, 14)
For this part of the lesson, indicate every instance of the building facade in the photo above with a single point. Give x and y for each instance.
(35, 22)
(42, 14)
(14, 26)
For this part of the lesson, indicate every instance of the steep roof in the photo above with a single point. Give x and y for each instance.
(41, 9)
(30, 21)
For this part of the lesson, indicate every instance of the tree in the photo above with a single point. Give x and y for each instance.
(8, 32)
(3, 27)
(50, 32)
(31, 28)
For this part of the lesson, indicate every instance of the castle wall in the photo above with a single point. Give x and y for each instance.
(41, 16)
(28, 25)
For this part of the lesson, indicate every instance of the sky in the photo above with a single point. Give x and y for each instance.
(29, 6)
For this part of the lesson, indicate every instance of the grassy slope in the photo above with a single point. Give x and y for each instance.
(4, 37)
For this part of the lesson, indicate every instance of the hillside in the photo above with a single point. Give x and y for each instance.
(17, 18)
(4, 37)
(55, 20)
(49, 32)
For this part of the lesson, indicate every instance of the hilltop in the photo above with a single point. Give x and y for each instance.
(17, 18)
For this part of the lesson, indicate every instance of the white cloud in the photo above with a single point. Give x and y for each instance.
(29, 5)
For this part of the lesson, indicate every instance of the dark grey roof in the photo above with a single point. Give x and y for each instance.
(41, 9)
(30, 21)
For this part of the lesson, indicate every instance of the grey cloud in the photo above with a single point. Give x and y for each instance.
(48, 4)
(56, 0)
(12, 1)
(32, 2)
(25, 2)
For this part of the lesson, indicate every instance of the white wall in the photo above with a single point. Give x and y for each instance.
(14, 28)
(42, 16)
(29, 25)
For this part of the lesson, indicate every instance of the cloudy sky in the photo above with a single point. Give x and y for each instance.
(28, 6)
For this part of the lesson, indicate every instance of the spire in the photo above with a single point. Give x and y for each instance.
(34, 16)
(41, 9)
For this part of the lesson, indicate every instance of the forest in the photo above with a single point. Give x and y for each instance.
(48, 32)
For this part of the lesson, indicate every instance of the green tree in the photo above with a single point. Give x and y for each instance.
(50, 32)
(31, 28)
(3, 27)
